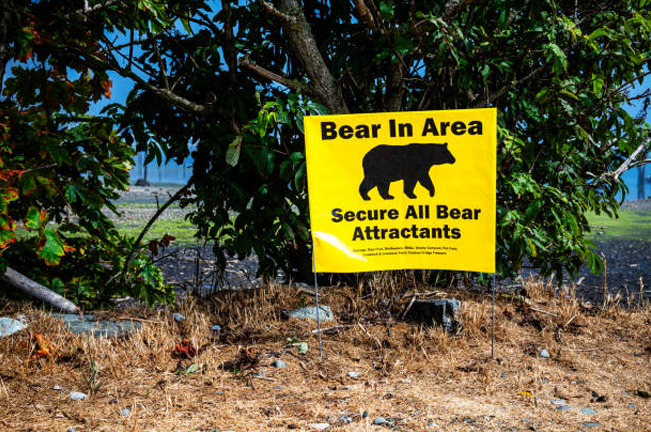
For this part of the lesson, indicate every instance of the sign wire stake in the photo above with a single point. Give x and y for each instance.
(316, 290)
(493, 322)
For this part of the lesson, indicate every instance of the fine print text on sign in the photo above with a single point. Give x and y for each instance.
(405, 190)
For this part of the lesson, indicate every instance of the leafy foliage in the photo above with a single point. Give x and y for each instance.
(235, 80)
(60, 167)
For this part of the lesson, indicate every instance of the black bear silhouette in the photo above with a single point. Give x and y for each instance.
(388, 163)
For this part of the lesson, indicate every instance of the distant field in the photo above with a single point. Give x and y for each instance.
(630, 225)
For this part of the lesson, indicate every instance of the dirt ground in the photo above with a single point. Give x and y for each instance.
(415, 376)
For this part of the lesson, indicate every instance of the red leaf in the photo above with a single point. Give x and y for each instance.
(153, 247)
(184, 349)
(106, 86)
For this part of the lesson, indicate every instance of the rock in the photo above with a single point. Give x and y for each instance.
(219, 392)
(632, 406)
(78, 396)
(365, 414)
(379, 421)
(278, 387)
(279, 364)
(544, 353)
(346, 420)
(178, 317)
(588, 411)
(57, 387)
(443, 312)
(9, 326)
(325, 313)
(353, 374)
(596, 397)
(70, 429)
(559, 401)
(319, 426)
(103, 328)
(591, 424)
(564, 407)
(126, 412)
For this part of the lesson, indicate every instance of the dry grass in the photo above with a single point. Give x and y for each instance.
(420, 377)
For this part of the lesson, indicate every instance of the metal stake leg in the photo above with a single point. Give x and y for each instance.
(318, 317)
(493, 322)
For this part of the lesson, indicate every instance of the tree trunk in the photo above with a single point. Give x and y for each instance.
(13, 278)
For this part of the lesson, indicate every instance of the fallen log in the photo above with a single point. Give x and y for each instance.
(23, 283)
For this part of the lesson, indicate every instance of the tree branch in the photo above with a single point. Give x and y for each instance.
(628, 162)
(640, 163)
(271, 9)
(86, 9)
(161, 66)
(509, 87)
(165, 94)
(287, 82)
(304, 46)
(23, 283)
(365, 14)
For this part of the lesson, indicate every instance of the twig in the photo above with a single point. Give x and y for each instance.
(161, 66)
(337, 327)
(264, 378)
(570, 320)
(408, 308)
(511, 86)
(544, 312)
(377, 341)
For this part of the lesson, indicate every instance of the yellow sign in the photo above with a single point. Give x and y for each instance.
(405, 190)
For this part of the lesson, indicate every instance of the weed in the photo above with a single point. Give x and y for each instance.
(91, 377)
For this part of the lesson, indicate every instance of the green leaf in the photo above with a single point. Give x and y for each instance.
(35, 219)
(73, 193)
(597, 83)
(386, 10)
(52, 248)
(302, 348)
(403, 46)
(233, 152)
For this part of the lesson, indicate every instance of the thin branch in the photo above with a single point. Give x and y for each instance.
(161, 66)
(619, 89)
(628, 162)
(640, 163)
(365, 14)
(509, 87)
(287, 82)
(209, 23)
(86, 9)
(278, 14)
(136, 246)
(165, 94)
